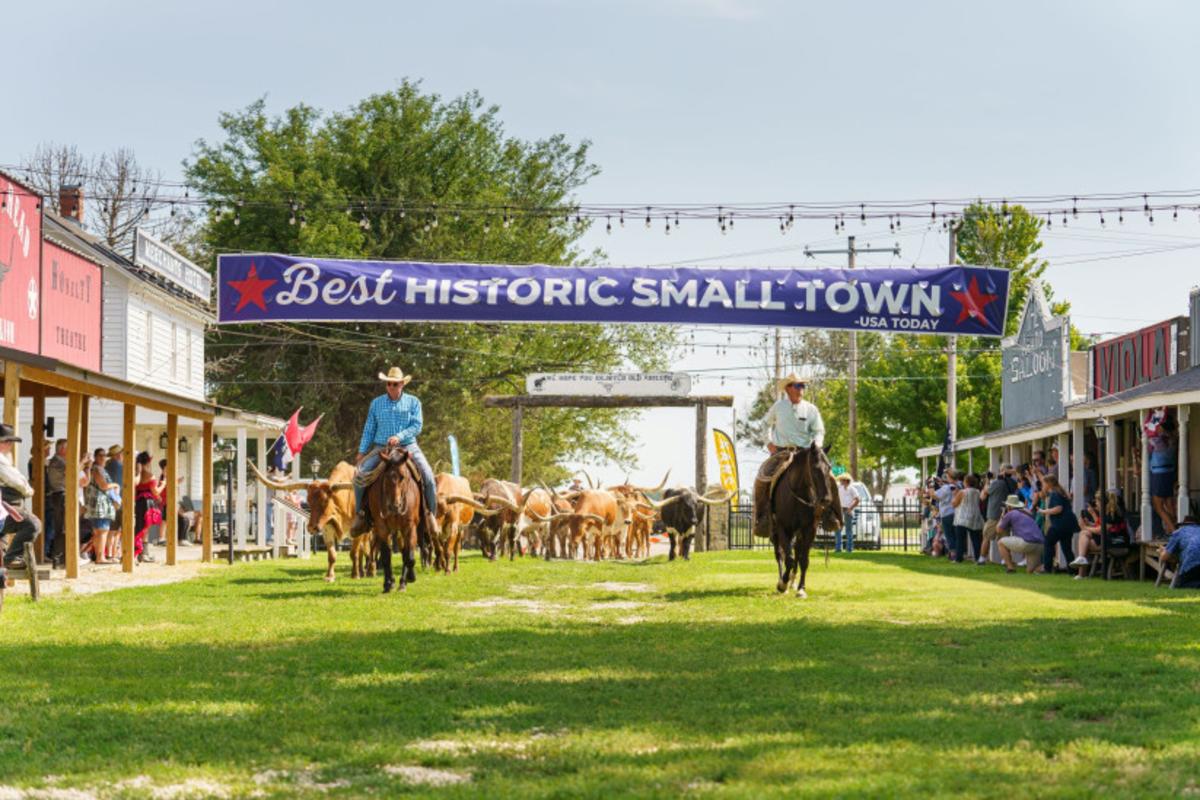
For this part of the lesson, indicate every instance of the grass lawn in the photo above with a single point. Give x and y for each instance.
(897, 677)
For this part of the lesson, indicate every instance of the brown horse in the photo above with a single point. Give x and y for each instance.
(803, 497)
(394, 499)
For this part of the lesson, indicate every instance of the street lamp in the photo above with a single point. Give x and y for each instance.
(1100, 426)
(229, 455)
(315, 466)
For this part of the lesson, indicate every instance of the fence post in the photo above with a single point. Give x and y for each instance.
(904, 516)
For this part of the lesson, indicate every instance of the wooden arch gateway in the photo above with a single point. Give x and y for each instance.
(518, 404)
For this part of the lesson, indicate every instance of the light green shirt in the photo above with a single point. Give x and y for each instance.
(798, 425)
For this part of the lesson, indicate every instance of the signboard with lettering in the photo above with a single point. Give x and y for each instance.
(1194, 326)
(1136, 358)
(20, 255)
(267, 287)
(610, 384)
(155, 256)
(1034, 372)
(71, 308)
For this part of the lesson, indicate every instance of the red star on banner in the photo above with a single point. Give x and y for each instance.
(251, 289)
(973, 302)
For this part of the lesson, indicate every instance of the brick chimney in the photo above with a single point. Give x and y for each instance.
(70, 202)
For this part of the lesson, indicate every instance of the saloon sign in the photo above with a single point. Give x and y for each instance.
(949, 300)
(1034, 369)
(1136, 358)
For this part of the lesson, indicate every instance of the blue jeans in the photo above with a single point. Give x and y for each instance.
(414, 451)
(950, 535)
(848, 532)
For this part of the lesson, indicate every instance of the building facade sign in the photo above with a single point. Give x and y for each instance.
(20, 255)
(1034, 371)
(610, 384)
(1194, 329)
(155, 256)
(1136, 358)
(72, 304)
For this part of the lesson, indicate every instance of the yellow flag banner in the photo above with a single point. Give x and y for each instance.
(727, 458)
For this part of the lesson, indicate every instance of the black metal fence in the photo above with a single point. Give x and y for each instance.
(899, 525)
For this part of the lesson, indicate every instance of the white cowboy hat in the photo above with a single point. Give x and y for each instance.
(1013, 501)
(395, 375)
(845, 476)
(792, 378)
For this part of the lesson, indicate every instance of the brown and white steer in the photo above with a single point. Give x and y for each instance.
(331, 513)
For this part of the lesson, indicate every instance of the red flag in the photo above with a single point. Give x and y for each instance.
(295, 437)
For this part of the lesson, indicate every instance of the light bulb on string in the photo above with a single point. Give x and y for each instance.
(933, 212)
(1175, 214)
(608, 225)
(731, 220)
(1146, 205)
(1151, 218)
(647, 217)
(172, 209)
(622, 218)
(1121, 216)
(1064, 219)
(303, 219)
(487, 225)
(667, 227)
(1101, 219)
(862, 214)
(1075, 207)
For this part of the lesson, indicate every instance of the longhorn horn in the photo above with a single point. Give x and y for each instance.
(584, 473)
(504, 501)
(473, 503)
(341, 486)
(710, 500)
(282, 487)
(659, 504)
(658, 488)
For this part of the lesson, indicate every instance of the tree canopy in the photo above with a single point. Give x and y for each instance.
(343, 184)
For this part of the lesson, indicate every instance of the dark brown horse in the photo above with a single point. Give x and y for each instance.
(394, 499)
(803, 498)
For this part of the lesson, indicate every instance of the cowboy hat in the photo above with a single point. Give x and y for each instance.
(115, 450)
(1013, 501)
(7, 434)
(845, 476)
(395, 375)
(790, 379)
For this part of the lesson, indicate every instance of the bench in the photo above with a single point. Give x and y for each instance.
(34, 573)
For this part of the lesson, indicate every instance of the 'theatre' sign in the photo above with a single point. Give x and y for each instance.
(948, 300)
(1136, 358)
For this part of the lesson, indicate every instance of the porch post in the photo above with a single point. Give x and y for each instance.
(71, 497)
(206, 507)
(128, 480)
(1147, 508)
(12, 400)
(261, 490)
(38, 501)
(240, 490)
(1185, 498)
(170, 517)
(1079, 479)
(1064, 462)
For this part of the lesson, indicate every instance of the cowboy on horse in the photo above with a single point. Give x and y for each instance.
(393, 419)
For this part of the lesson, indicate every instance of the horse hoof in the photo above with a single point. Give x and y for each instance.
(800, 593)
(329, 579)
(387, 588)
(781, 587)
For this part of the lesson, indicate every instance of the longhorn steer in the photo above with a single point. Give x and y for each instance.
(504, 498)
(682, 512)
(455, 509)
(331, 513)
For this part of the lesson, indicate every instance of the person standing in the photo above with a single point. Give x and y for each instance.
(100, 509)
(968, 521)
(1061, 523)
(943, 495)
(15, 490)
(56, 500)
(148, 508)
(115, 468)
(849, 503)
(993, 494)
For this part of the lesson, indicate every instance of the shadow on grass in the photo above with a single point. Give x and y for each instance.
(350, 699)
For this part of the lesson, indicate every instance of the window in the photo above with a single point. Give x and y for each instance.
(187, 339)
(175, 351)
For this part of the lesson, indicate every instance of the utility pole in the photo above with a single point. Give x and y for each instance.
(851, 251)
(952, 367)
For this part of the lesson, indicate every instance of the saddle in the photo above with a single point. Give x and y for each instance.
(387, 457)
(774, 468)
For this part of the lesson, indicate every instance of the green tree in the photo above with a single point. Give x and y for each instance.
(369, 182)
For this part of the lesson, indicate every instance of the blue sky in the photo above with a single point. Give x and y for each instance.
(690, 101)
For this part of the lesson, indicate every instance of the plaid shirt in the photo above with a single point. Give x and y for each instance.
(386, 419)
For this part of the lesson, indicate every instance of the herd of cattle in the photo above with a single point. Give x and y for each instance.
(507, 519)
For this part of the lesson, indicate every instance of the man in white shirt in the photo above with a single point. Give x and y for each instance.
(792, 422)
(15, 490)
(849, 502)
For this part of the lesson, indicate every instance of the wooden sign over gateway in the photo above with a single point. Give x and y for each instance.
(609, 384)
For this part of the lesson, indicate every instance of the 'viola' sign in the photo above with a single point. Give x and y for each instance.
(948, 300)
(1136, 358)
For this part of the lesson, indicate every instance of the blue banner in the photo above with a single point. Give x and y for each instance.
(454, 465)
(947, 300)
